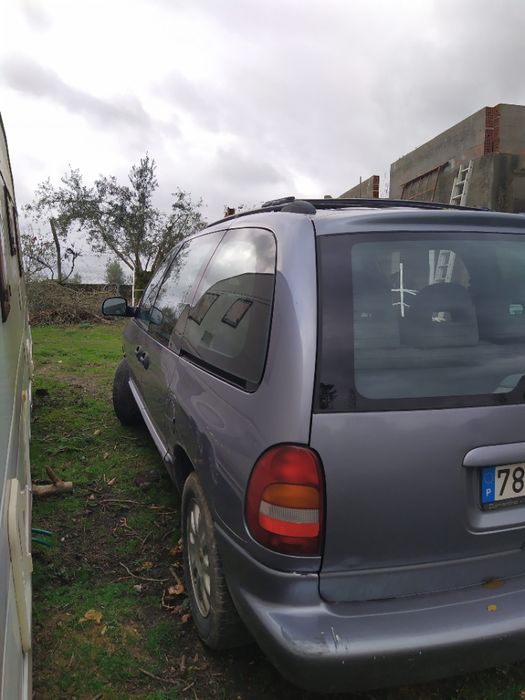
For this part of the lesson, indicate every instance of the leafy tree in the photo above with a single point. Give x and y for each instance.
(117, 218)
(124, 220)
(185, 218)
(114, 273)
(56, 212)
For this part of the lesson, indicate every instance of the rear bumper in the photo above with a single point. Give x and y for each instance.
(352, 646)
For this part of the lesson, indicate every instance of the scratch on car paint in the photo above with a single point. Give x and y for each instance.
(335, 637)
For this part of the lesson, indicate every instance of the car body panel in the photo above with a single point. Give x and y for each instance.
(223, 428)
(328, 647)
(403, 513)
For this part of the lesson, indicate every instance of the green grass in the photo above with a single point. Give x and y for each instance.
(112, 537)
(97, 529)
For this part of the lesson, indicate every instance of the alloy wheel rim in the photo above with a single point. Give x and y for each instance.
(198, 558)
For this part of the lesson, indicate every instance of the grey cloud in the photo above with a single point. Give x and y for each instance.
(246, 170)
(27, 76)
(345, 90)
(328, 92)
(270, 20)
(35, 15)
(201, 101)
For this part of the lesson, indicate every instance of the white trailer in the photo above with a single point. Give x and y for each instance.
(15, 476)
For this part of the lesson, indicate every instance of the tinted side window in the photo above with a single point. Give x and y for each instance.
(172, 303)
(150, 294)
(228, 325)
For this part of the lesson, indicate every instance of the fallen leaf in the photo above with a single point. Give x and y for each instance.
(178, 589)
(492, 607)
(104, 630)
(105, 455)
(139, 587)
(147, 565)
(185, 618)
(94, 615)
(97, 431)
(112, 481)
(522, 694)
(174, 551)
(91, 497)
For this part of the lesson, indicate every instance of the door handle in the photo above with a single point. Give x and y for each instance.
(142, 356)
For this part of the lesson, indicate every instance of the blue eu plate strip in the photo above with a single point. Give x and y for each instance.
(488, 485)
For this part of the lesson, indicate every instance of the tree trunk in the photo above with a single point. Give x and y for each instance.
(52, 223)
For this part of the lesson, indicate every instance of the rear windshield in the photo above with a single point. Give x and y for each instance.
(410, 321)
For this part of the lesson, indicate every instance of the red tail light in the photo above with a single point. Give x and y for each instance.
(285, 500)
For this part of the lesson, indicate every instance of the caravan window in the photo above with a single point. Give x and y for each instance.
(5, 289)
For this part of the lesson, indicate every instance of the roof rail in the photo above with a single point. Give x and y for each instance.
(310, 206)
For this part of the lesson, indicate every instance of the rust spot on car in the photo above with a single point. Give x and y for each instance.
(493, 583)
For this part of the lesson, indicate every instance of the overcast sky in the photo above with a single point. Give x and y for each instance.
(240, 101)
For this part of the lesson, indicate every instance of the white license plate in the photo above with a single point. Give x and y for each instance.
(503, 483)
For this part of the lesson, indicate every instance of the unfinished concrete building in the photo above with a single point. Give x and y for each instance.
(479, 162)
(369, 189)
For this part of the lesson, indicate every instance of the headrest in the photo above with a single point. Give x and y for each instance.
(375, 320)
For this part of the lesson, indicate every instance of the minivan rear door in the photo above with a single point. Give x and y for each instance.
(420, 401)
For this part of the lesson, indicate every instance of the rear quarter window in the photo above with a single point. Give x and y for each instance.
(228, 325)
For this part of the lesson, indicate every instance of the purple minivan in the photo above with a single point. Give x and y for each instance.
(337, 387)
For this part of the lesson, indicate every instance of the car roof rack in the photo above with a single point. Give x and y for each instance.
(311, 206)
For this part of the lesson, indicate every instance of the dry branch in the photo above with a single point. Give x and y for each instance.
(57, 485)
(51, 303)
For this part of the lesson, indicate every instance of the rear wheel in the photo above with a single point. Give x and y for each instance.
(214, 614)
(124, 403)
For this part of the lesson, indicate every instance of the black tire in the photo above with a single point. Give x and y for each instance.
(124, 403)
(220, 627)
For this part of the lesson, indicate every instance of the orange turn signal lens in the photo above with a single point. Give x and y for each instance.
(291, 496)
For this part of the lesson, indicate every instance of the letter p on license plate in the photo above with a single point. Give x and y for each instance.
(504, 484)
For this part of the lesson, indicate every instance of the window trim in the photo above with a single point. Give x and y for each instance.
(363, 404)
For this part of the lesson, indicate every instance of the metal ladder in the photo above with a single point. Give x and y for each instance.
(444, 267)
(461, 185)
